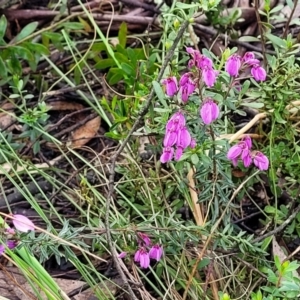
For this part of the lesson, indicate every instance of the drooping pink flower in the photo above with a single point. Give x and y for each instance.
(205, 61)
(209, 76)
(167, 154)
(142, 256)
(2, 249)
(260, 161)
(184, 138)
(233, 64)
(170, 138)
(209, 111)
(144, 238)
(171, 85)
(22, 223)
(176, 121)
(178, 153)
(193, 143)
(249, 59)
(258, 72)
(10, 231)
(241, 150)
(156, 252)
(11, 244)
(186, 86)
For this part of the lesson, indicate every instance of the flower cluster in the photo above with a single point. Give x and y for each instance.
(22, 224)
(177, 138)
(242, 151)
(187, 83)
(236, 63)
(142, 255)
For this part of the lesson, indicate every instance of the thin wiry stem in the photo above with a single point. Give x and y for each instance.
(113, 159)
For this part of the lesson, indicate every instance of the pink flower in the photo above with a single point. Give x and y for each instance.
(193, 143)
(142, 256)
(170, 138)
(178, 153)
(258, 72)
(261, 161)
(199, 60)
(184, 138)
(186, 86)
(204, 61)
(10, 231)
(241, 150)
(122, 254)
(167, 154)
(209, 76)
(233, 65)
(145, 238)
(22, 223)
(171, 85)
(11, 244)
(249, 59)
(156, 252)
(209, 111)
(176, 121)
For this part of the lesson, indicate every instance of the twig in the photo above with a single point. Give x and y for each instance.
(287, 24)
(279, 228)
(118, 152)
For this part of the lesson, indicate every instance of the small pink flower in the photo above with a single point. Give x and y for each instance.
(176, 121)
(209, 111)
(233, 65)
(178, 153)
(11, 244)
(145, 238)
(241, 150)
(258, 72)
(142, 256)
(170, 138)
(184, 138)
(156, 252)
(10, 231)
(186, 86)
(167, 154)
(122, 254)
(249, 59)
(22, 223)
(261, 161)
(193, 143)
(209, 76)
(171, 85)
(205, 61)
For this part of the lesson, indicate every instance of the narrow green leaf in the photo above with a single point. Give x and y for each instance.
(160, 93)
(3, 70)
(276, 40)
(128, 69)
(3, 26)
(122, 35)
(26, 31)
(105, 63)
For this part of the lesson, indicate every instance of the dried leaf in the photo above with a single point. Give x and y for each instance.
(85, 133)
(64, 105)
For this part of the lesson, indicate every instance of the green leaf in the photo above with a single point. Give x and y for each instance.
(105, 63)
(3, 70)
(249, 39)
(26, 31)
(3, 26)
(128, 69)
(276, 40)
(253, 105)
(160, 93)
(73, 26)
(132, 55)
(122, 35)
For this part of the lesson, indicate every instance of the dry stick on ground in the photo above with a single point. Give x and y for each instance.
(113, 160)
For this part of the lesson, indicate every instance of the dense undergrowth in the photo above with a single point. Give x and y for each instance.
(210, 220)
